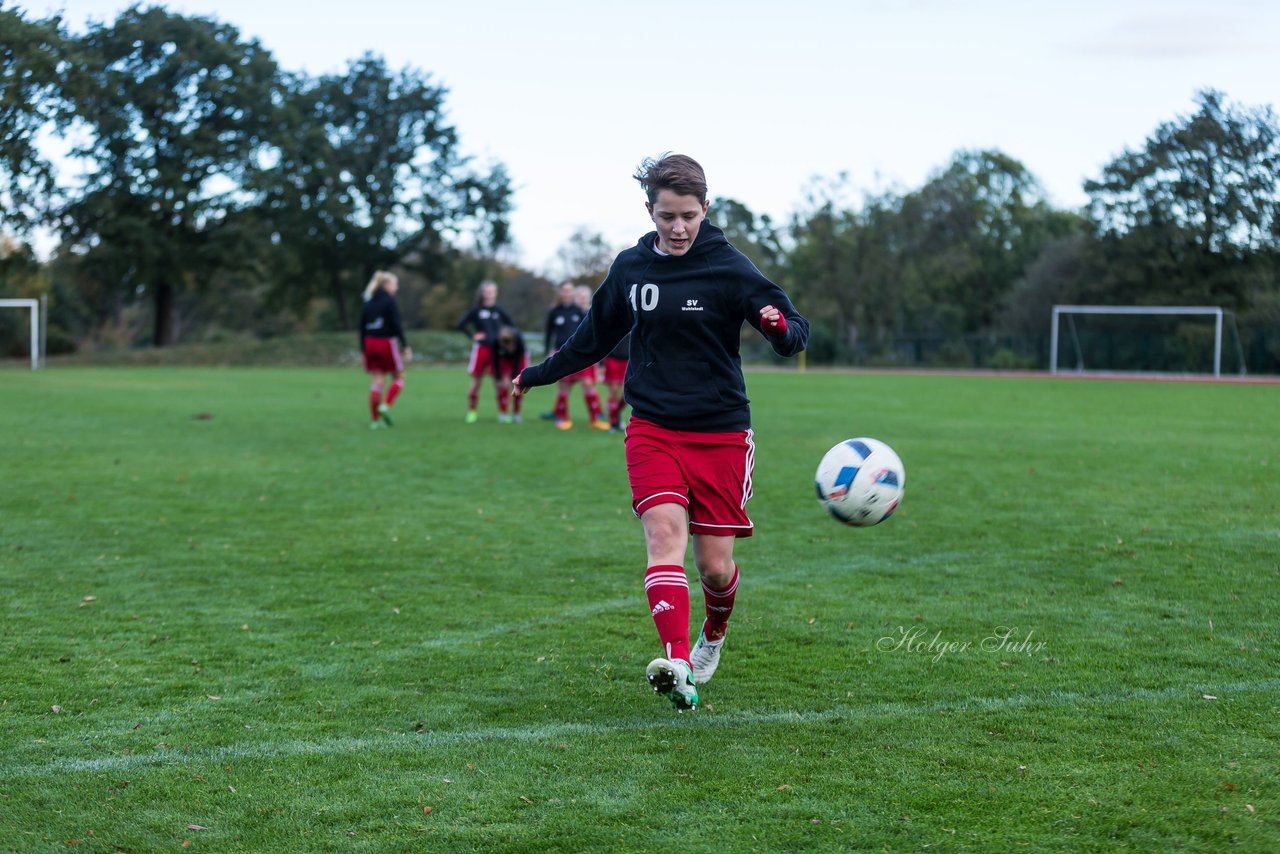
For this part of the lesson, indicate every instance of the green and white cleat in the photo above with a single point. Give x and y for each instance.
(377, 425)
(705, 657)
(384, 412)
(672, 678)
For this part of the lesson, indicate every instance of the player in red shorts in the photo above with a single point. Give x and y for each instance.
(615, 372)
(587, 376)
(383, 345)
(482, 322)
(683, 292)
(572, 304)
(509, 359)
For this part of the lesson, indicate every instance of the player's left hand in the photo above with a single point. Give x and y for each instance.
(772, 321)
(516, 388)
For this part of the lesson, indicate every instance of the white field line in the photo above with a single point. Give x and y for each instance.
(664, 719)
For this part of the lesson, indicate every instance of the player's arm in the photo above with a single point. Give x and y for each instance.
(770, 311)
(549, 335)
(465, 323)
(608, 320)
(394, 326)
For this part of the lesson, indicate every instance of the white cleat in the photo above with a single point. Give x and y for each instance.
(705, 657)
(672, 678)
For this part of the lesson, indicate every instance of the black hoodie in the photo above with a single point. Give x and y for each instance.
(685, 316)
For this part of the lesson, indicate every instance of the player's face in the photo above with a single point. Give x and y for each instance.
(489, 294)
(678, 219)
(566, 293)
(391, 285)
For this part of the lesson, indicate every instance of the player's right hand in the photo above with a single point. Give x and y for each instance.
(516, 388)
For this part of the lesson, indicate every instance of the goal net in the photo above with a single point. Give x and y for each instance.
(1144, 339)
(36, 328)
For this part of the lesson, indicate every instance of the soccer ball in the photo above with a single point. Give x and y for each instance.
(860, 481)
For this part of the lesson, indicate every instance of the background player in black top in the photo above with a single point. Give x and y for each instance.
(683, 292)
(562, 319)
(482, 322)
(383, 345)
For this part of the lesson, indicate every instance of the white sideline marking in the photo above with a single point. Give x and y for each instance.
(661, 720)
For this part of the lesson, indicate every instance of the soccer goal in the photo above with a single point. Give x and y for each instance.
(1144, 339)
(37, 329)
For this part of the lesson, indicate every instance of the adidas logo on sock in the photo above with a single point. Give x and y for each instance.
(663, 605)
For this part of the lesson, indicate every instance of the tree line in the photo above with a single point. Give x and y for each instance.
(196, 188)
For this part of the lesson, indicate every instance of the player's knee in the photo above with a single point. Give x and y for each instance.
(717, 571)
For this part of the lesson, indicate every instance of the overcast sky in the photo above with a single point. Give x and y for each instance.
(571, 94)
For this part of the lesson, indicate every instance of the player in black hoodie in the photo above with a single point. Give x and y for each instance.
(482, 322)
(683, 292)
(382, 343)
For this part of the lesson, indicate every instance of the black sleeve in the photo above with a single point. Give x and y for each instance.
(551, 325)
(467, 321)
(760, 292)
(607, 321)
(393, 322)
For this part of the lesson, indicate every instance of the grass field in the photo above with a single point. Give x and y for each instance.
(234, 619)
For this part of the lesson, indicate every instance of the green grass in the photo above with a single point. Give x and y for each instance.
(297, 634)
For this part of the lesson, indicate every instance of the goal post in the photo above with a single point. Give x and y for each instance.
(37, 316)
(1218, 315)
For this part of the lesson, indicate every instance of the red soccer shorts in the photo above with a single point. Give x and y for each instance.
(481, 361)
(708, 473)
(507, 366)
(584, 375)
(615, 371)
(382, 356)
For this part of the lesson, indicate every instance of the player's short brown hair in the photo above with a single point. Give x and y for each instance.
(678, 173)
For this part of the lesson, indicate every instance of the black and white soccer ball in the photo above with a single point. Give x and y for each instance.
(860, 481)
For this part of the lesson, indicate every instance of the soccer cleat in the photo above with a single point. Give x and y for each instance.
(564, 424)
(515, 419)
(472, 417)
(377, 425)
(548, 416)
(504, 418)
(599, 424)
(672, 678)
(615, 428)
(384, 412)
(705, 657)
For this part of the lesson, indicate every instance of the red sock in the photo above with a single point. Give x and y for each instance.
(593, 402)
(394, 391)
(473, 398)
(615, 410)
(562, 405)
(668, 592)
(719, 607)
(375, 398)
(504, 392)
(515, 404)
